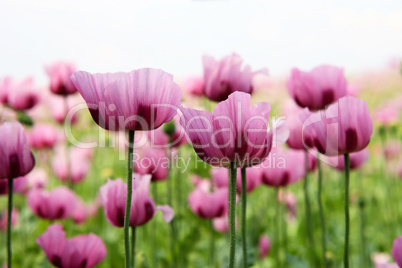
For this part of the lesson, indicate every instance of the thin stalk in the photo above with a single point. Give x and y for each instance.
(347, 219)
(311, 242)
(232, 212)
(133, 240)
(362, 236)
(10, 209)
(68, 162)
(128, 200)
(243, 215)
(178, 186)
(321, 211)
(153, 238)
(362, 223)
(211, 244)
(282, 209)
(277, 224)
(173, 233)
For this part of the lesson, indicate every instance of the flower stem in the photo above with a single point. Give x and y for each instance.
(283, 227)
(133, 239)
(211, 244)
(68, 162)
(243, 215)
(232, 212)
(153, 236)
(128, 200)
(321, 211)
(347, 220)
(362, 236)
(10, 209)
(311, 243)
(362, 223)
(277, 220)
(173, 234)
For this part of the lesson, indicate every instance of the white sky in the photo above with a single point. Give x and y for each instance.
(106, 36)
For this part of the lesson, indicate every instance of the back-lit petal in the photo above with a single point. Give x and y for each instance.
(143, 99)
(397, 250)
(168, 212)
(16, 159)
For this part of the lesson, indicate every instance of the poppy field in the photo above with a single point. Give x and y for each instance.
(227, 168)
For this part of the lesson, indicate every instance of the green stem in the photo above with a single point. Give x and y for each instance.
(277, 219)
(68, 162)
(362, 230)
(133, 239)
(347, 219)
(128, 200)
(10, 209)
(211, 244)
(282, 215)
(169, 201)
(321, 211)
(243, 215)
(153, 239)
(232, 212)
(311, 243)
(178, 186)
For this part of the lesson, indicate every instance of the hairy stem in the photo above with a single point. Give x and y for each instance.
(128, 200)
(321, 211)
(311, 243)
(10, 210)
(347, 219)
(243, 215)
(232, 212)
(133, 239)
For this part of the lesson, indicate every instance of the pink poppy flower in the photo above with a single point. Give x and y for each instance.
(234, 132)
(20, 95)
(37, 179)
(397, 250)
(221, 224)
(143, 99)
(344, 127)
(56, 204)
(152, 161)
(20, 185)
(220, 178)
(193, 85)
(59, 109)
(207, 204)
(59, 74)
(82, 251)
(16, 159)
(283, 167)
(356, 160)
(4, 219)
(223, 77)
(264, 246)
(298, 139)
(318, 88)
(386, 115)
(76, 167)
(42, 136)
(113, 196)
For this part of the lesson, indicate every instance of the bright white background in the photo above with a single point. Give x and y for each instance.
(108, 36)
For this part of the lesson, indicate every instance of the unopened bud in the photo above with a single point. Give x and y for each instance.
(169, 128)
